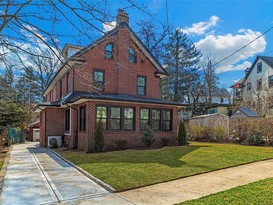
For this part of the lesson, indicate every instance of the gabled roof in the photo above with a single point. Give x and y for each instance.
(266, 59)
(160, 70)
(247, 111)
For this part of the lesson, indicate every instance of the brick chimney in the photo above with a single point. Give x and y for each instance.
(122, 17)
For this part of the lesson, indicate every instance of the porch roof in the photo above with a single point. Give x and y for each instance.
(76, 96)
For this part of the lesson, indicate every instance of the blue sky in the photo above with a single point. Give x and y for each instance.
(220, 27)
(217, 27)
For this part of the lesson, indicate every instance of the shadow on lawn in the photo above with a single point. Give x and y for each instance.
(169, 156)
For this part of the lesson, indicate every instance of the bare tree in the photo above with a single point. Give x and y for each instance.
(152, 36)
(210, 77)
(258, 96)
(82, 17)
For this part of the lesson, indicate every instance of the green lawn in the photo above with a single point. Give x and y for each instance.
(135, 168)
(259, 193)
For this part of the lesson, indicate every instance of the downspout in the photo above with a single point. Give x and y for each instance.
(46, 139)
(73, 76)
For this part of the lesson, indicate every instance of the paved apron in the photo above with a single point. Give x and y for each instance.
(37, 176)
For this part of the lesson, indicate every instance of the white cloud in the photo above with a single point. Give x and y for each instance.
(108, 26)
(233, 67)
(220, 46)
(201, 27)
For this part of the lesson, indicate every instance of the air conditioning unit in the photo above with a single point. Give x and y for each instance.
(54, 141)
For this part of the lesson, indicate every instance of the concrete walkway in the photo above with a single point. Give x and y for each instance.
(37, 176)
(201, 185)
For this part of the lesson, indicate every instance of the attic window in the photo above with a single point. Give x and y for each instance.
(270, 81)
(248, 86)
(132, 58)
(259, 84)
(259, 67)
(108, 52)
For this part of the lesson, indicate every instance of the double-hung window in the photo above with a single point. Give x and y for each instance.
(248, 86)
(116, 118)
(128, 118)
(67, 119)
(259, 67)
(155, 125)
(98, 80)
(61, 89)
(270, 81)
(102, 115)
(82, 118)
(67, 82)
(115, 122)
(141, 85)
(259, 84)
(166, 120)
(156, 119)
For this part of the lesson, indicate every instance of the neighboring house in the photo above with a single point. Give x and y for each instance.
(219, 108)
(259, 77)
(237, 91)
(221, 101)
(244, 112)
(116, 80)
(219, 96)
(256, 88)
(34, 131)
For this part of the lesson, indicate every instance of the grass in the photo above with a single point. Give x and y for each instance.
(135, 168)
(259, 193)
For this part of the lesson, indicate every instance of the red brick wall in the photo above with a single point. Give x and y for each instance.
(55, 125)
(51, 124)
(132, 137)
(120, 75)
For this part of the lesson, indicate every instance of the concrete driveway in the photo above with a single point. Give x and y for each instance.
(37, 176)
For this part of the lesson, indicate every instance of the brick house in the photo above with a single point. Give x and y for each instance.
(115, 79)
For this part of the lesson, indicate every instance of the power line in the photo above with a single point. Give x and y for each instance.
(243, 46)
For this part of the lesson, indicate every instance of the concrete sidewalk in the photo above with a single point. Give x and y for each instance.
(201, 185)
(37, 176)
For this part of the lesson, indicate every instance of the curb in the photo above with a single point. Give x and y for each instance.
(98, 181)
(4, 167)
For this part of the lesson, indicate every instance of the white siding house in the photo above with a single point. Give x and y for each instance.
(259, 78)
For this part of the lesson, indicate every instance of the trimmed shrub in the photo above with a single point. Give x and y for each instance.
(164, 141)
(182, 134)
(255, 140)
(99, 139)
(121, 144)
(219, 134)
(148, 137)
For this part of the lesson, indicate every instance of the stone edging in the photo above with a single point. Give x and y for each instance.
(98, 181)
(4, 167)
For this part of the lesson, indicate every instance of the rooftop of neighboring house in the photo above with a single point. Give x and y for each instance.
(247, 111)
(266, 59)
(218, 92)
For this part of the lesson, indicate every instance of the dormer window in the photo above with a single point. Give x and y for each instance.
(108, 53)
(132, 58)
(259, 67)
